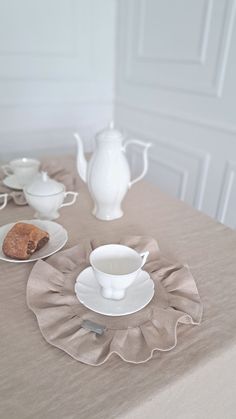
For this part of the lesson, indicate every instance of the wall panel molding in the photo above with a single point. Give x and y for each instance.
(206, 79)
(203, 38)
(228, 183)
(201, 158)
(176, 88)
(188, 119)
(181, 174)
(177, 170)
(224, 47)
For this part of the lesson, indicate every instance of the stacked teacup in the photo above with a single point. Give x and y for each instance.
(19, 172)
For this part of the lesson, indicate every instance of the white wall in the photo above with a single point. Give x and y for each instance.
(56, 72)
(176, 86)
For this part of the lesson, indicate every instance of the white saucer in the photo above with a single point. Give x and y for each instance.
(57, 233)
(138, 295)
(12, 182)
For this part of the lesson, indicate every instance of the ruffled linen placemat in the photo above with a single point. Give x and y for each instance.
(54, 169)
(135, 337)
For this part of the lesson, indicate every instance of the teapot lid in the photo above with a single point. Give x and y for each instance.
(43, 185)
(109, 134)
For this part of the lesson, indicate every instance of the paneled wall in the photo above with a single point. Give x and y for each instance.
(176, 87)
(56, 72)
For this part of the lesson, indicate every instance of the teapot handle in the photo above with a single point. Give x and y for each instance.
(145, 160)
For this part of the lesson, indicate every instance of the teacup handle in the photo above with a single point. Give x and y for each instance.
(74, 194)
(4, 196)
(144, 256)
(7, 169)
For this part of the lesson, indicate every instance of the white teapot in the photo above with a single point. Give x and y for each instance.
(107, 173)
(46, 196)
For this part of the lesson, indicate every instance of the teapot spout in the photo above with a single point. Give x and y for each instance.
(81, 161)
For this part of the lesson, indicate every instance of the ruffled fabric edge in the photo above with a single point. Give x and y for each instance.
(50, 295)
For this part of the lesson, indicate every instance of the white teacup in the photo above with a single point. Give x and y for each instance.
(24, 169)
(116, 267)
(3, 200)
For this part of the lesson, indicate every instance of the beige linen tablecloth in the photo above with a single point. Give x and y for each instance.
(195, 380)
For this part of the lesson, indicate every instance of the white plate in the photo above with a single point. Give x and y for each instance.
(12, 182)
(138, 295)
(57, 239)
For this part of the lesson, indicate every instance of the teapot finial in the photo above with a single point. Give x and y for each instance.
(111, 124)
(44, 176)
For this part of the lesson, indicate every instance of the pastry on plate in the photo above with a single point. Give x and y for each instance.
(22, 240)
